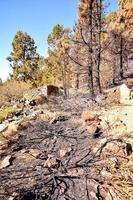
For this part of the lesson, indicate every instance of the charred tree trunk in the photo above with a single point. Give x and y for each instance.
(121, 57)
(64, 83)
(98, 60)
(77, 81)
(90, 53)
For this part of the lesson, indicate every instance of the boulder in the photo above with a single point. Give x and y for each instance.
(15, 127)
(52, 90)
(35, 97)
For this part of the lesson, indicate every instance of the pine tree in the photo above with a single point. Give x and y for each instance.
(58, 61)
(24, 58)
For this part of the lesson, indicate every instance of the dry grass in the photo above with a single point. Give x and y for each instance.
(12, 90)
(4, 113)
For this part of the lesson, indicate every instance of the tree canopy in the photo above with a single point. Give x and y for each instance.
(24, 57)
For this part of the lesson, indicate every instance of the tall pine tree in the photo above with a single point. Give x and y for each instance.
(24, 58)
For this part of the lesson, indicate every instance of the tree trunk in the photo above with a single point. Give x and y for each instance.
(121, 58)
(98, 56)
(90, 58)
(77, 81)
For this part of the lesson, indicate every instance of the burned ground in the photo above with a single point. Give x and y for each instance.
(60, 159)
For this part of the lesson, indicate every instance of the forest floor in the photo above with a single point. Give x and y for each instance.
(68, 156)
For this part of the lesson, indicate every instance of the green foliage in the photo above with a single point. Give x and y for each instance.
(57, 64)
(111, 17)
(5, 112)
(55, 35)
(24, 58)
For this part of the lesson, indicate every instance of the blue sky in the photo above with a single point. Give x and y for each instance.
(36, 17)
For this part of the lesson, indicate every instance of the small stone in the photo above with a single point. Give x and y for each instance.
(52, 161)
(5, 162)
(130, 165)
(88, 117)
(34, 152)
(13, 196)
(64, 152)
(3, 127)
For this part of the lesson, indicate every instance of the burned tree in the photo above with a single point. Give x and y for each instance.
(87, 38)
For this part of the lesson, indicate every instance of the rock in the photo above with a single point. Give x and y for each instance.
(25, 155)
(3, 127)
(130, 165)
(12, 130)
(64, 152)
(88, 117)
(52, 161)
(13, 196)
(99, 98)
(59, 119)
(34, 152)
(92, 128)
(52, 90)
(34, 97)
(92, 123)
(5, 162)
